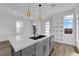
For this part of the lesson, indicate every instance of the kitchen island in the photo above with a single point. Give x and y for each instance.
(28, 47)
(24, 46)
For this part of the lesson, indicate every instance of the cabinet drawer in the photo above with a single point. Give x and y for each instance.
(29, 54)
(17, 53)
(28, 50)
(38, 45)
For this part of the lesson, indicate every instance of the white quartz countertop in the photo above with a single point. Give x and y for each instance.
(23, 42)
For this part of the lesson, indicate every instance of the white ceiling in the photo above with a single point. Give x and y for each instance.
(18, 9)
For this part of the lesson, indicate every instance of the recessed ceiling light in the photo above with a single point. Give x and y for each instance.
(15, 12)
(53, 5)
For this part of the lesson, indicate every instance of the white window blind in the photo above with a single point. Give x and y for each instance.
(19, 26)
(19, 29)
(47, 28)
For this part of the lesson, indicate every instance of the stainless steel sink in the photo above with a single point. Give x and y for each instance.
(37, 37)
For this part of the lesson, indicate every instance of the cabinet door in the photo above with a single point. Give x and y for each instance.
(42, 48)
(46, 47)
(49, 45)
(17, 53)
(28, 51)
(52, 42)
(39, 49)
(29, 54)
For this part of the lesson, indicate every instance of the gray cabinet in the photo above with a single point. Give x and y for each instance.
(29, 51)
(42, 48)
(46, 47)
(39, 49)
(51, 43)
(17, 53)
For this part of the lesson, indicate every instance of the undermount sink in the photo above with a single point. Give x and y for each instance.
(37, 37)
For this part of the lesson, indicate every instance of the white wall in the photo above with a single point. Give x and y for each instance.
(77, 25)
(27, 28)
(8, 26)
(58, 20)
(49, 19)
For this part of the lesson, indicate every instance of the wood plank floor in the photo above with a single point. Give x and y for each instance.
(64, 50)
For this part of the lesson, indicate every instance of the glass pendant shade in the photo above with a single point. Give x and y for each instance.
(40, 18)
(29, 14)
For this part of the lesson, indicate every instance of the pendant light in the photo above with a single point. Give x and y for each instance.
(28, 13)
(40, 17)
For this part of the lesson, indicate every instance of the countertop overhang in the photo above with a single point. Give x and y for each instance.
(23, 42)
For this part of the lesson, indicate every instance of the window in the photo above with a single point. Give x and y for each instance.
(68, 24)
(19, 29)
(47, 28)
(19, 26)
